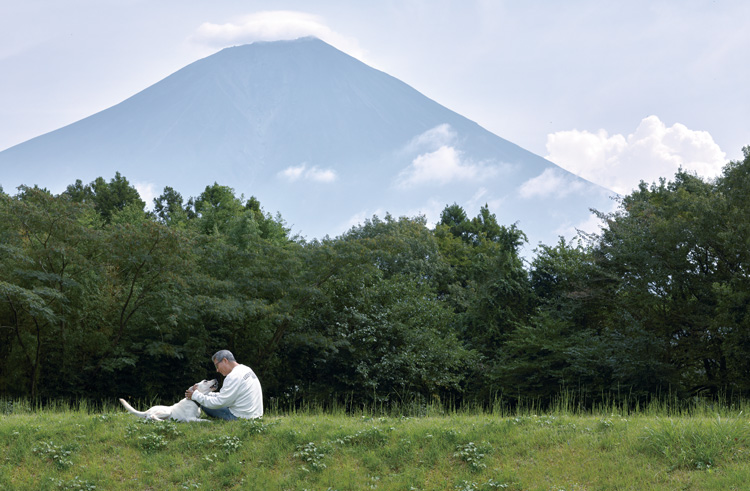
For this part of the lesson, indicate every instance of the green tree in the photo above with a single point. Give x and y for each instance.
(662, 245)
(454, 218)
(143, 259)
(579, 338)
(216, 207)
(169, 208)
(729, 242)
(378, 331)
(486, 286)
(48, 266)
(107, 197)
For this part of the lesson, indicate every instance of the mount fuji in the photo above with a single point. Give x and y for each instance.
(314, 134)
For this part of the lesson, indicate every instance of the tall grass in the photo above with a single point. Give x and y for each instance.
(566, 402)
(527, 445)
(697, 444)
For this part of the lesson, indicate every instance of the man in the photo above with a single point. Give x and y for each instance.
(240, 395)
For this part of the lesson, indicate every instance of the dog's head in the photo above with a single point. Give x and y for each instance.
(206, 386)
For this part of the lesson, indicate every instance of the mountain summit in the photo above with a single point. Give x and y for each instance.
(314, 134)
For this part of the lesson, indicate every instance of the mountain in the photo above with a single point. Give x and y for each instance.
(314, 134)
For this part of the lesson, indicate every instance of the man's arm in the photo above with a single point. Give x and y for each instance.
(216, 400)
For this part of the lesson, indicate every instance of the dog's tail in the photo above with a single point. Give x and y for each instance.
(131, 410)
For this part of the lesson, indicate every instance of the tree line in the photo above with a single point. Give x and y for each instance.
(100, 298)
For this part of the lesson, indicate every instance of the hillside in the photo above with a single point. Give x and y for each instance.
(113, 450)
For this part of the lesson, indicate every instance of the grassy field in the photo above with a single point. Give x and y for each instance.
(81, 449)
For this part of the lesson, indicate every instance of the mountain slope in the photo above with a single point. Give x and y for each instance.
(313, 133)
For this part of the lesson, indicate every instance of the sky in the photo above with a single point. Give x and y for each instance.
(616, 92)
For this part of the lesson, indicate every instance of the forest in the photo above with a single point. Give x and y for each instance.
(101, 297)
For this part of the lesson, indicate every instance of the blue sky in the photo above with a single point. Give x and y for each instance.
(613, 91)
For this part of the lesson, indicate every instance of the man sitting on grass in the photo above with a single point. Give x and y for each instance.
(240, 395)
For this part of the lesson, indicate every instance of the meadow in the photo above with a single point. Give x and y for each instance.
(75, 447)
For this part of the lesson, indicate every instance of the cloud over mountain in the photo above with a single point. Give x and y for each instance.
(273, 25)
(442, 166)
(439, 161)
(303, 172)
(550, 183)
(432, 139)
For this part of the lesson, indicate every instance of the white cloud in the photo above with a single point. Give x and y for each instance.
(273, 25)
(478, 199)
(320, 175)
(432, 139)
(442, 166)
(592, 225)
(314, 174)
(431, 210)
(650, 152)
(551, 182)
(147, 192)
(360, 218)
(439, 161)
(293, 173)
(483, 197)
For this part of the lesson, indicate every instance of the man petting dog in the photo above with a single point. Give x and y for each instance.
(240, 395)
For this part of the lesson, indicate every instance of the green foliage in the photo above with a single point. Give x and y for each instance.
(673, 249)
(373, 435)
(151, 442)
(99, 296)
(151, 436)
(321, 450)
(47, 252)
(169, 208)
(655, 303)
(311, 457)
(75, 484)
(226, 443)
(107, 197)
(578, 337)
(487, 288)
(696, 445)
(60, 455)
(217, 207)
(256, 426)
(376, 329)
(472, 455)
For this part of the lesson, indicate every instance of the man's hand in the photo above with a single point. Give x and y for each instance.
(189, 392)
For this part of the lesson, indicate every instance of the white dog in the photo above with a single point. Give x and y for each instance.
(185, 410)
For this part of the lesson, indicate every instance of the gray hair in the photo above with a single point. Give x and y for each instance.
(221, 354)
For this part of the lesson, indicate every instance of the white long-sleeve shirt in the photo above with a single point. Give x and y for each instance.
(241, 393)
